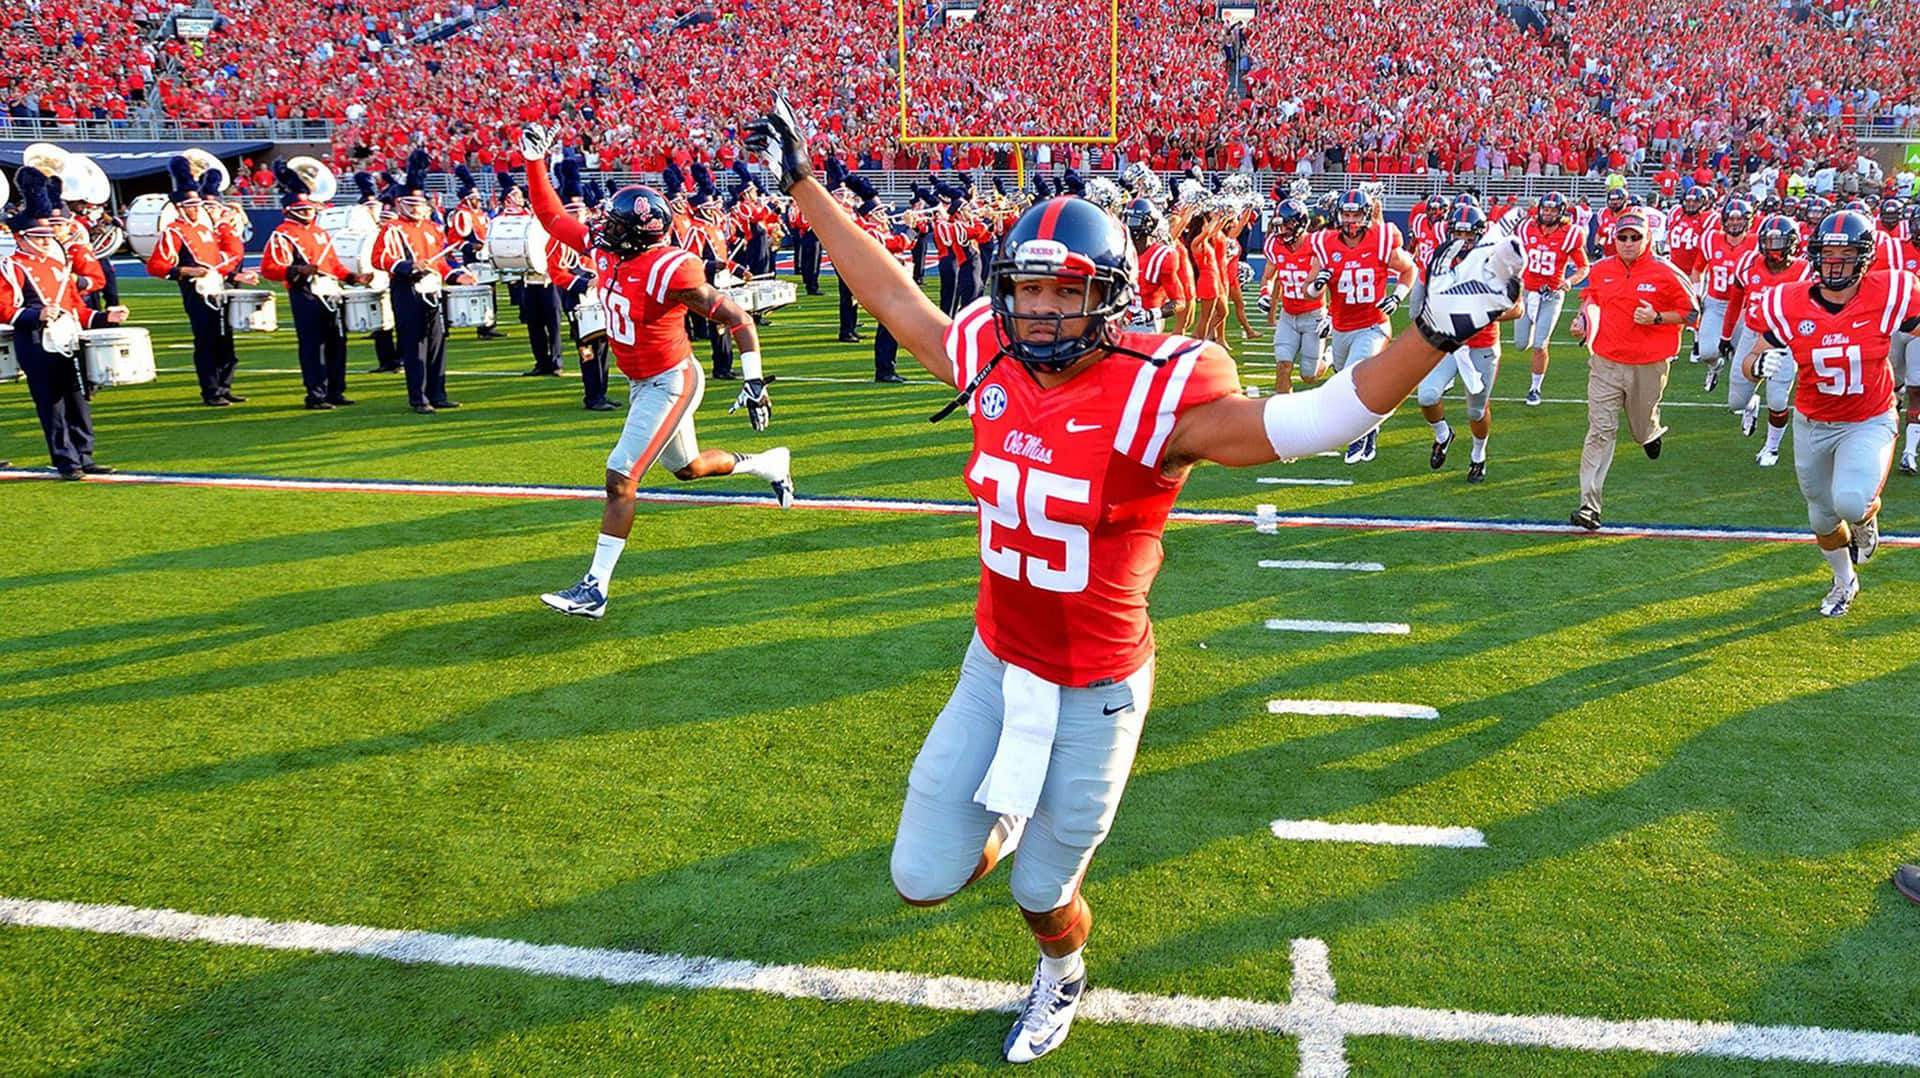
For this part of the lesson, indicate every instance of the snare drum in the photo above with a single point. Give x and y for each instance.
(121, 356)
(366, 310)
(9, 363)
(483, 272)
(469, 305)
(590, 318)
(8, 245)
(517, 243)
(355, 248)
(250, 310)
(767, 295)
(147, 217)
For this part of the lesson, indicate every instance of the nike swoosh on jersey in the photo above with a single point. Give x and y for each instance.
(1076, 427)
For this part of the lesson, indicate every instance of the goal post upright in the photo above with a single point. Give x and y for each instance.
(1112, 136)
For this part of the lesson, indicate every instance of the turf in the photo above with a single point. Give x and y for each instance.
(348, 708)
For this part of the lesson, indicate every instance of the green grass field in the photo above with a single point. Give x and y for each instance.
(349, 709)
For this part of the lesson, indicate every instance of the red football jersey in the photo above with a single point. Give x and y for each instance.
(1718, 257)
(1072, 498)
(1684, 231)
(1159, 278)
(1549, 251)
(1428, 232)
(1292, 268)
(1842, 355)
(1907, 256)
(1359, 274)
(1752, 277)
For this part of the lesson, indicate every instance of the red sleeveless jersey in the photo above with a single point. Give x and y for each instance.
(1072, 499)
(1842, 355)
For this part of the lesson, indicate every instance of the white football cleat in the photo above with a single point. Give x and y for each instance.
(1909, 463)
(1767, 458)
(780, 463)
(1045, 1019)
(1750, 418)
(1840, 599)
(583, 600)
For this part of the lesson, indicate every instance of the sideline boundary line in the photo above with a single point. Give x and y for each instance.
(665, 496)
(1313, 1015)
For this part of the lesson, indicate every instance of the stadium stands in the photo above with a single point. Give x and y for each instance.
(1389, 86)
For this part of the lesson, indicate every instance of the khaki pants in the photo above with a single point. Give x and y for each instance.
(1612, 387)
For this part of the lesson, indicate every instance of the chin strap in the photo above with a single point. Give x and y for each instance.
(967, 393)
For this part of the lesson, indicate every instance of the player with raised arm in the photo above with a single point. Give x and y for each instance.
(648, 287)
(1837, 330)
(1083, 433)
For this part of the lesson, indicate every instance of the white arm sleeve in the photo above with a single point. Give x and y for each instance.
(1329, 417)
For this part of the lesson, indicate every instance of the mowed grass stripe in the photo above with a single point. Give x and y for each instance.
(1313, 1015)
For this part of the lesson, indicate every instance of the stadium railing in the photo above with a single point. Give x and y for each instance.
(171, 129)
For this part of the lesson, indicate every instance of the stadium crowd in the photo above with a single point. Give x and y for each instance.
(1381, 86)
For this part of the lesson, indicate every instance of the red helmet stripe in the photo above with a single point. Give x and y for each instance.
(1048, 216)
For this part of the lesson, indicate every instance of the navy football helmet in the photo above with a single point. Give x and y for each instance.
(1552, 208)
(1842, 248)
(637, 217)
(1063, 239)
(1779, 239)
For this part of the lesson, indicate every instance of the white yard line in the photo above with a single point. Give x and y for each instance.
(1274, 480)
(1366, 709)
(1297, 625)
(1379, 834)
(1331, 566)
(1313, 1015)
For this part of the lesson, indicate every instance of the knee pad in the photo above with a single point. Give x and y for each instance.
(922, 884)
(1476, 407)
(1428, 396)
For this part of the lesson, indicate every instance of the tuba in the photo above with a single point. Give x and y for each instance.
(320, 180)
(82, 180)
(105, 235)
(6, 190)
(201, 161)
(47, 158)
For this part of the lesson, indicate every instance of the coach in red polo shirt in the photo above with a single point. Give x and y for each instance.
(1635, 306)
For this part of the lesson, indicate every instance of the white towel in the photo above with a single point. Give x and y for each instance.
(1019, 768)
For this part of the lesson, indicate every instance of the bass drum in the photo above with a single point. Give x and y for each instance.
(340, 218)
(517, 244)
(355, 249)
(9, 363)
(147, 217)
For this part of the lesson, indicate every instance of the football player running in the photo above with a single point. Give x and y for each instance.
(1556, 264)
(1720, 252)
(1906, 350)
(1838, 330)
(1773, 263)
(1476, 363)
(1295, 314)
(648, 287)
(1366, 273)
(1083, 434)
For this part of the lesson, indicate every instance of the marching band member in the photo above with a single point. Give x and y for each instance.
(300, 255)
(535, 295)
(709, 243)
(647, 282)
(872, 216)
(572, 280)
(40, 297)
(849, 312)
(947, 231)
(386, 354)
(414, 250)
(189, 251)
(806, 249)
(468, 224)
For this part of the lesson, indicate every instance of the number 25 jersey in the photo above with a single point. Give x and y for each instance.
(1072, 499)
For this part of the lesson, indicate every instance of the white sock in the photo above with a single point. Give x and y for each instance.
(1441, 431)
(1913, 437)
(1070, 967)
(606, 553)
(1537, 379)
(1774, 434)
(1842, 562)
(1479, 455)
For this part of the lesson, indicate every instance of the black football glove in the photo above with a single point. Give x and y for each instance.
(778, 141)
(1726, 350)
(753, 397)
(1390, 304)
(1320, 280)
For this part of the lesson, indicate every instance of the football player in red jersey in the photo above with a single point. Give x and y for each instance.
(1556, 263)
(1080, 446)
(1774, 262)
(1837, 330)
(1720, 251)
(1685, 228)
(1370, 273)
(1158, 281)
(1476, 363)
(648, 286)
(1294, 313)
